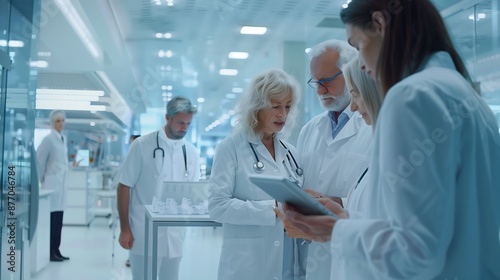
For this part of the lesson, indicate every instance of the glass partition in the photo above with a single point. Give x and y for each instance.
(475, 32)
(19, 200)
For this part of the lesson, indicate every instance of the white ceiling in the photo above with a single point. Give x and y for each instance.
(203, 33)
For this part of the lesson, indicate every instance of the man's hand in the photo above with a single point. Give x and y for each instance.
(126, 239)
(316, 194)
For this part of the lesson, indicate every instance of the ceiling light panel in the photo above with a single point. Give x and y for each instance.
(228, 72)
(253, 30)
(238, 55)
(69, 92)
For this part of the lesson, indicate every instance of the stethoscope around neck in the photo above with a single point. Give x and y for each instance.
(259, 166)
(158, 148)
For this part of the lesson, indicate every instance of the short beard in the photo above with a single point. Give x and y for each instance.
(339, 104)
(173, 134)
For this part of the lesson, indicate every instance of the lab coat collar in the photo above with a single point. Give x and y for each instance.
(347, 111)
(170, 142)
(57, 134)
(351, 128)
(254, 139)
(279, 150)
(438, 59)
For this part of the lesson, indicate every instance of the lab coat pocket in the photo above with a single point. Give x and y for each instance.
(52, 182)
(242, 259)
(311, 162)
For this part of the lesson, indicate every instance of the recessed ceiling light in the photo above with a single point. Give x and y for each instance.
(308, 50)
(238, 55)
(161, 53)
(39, 64)
(480, 16)
(168, 35)
(159, 35)
(253, 30)
(44, 54)
(168, 53)
(169, 87)
(228, 72)
(237, 90)
(92, 123)
(231, 95)
(164, 87)
(200, 100)
(12, 43)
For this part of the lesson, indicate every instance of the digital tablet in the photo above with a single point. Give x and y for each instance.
(286, 191)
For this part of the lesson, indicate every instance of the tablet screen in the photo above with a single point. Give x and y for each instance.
(286, 191)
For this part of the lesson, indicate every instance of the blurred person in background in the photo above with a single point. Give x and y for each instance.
(52, 156)
(160, 156)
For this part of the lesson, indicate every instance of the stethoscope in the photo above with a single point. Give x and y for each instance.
(259, 166)
(158, 148)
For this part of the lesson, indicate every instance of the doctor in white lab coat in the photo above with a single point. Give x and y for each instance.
(434, 211)
(52, 156)
(334, 146)
(253, 236)
(141, 175)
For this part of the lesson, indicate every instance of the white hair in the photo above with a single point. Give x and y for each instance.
(346, 51)
(54, 115)
(270, 84)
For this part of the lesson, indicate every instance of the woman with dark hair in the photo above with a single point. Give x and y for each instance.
(434, 184)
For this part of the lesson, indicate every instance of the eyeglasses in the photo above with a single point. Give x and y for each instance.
(326, 82)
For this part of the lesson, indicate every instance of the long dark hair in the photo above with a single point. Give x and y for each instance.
(414, 30)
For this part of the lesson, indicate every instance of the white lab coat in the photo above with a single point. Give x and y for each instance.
(358, 198)
(52, 156)
(435, 186)
(332, 167)
(253, 237)
(144, 176)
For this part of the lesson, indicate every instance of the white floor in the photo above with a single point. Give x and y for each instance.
(90, 249)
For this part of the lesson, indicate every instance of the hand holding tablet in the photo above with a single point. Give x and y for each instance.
(286, 191)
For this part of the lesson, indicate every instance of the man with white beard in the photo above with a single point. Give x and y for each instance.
(334, 147)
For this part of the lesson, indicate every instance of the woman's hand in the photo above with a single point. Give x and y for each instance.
(291, 231)
(315, 227)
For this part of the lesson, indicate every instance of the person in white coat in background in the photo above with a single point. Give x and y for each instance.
(52, 156)
(252, 245)
(334, 146)
(434, 183)
(160, 156)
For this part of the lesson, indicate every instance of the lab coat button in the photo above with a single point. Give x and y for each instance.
(276, 172)
(276, 243)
